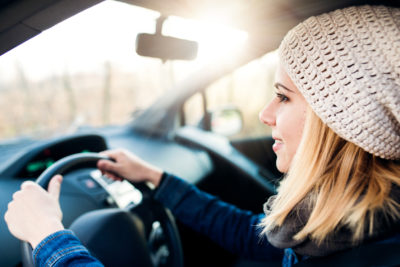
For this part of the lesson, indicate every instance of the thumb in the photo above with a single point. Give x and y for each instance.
(54, 187)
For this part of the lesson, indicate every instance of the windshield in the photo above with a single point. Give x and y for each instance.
(84, 71)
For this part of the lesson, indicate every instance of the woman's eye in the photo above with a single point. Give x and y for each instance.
(282, 97)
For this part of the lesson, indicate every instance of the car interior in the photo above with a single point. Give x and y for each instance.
(239, 169)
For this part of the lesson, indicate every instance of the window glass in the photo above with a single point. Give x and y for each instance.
(249, 88)
(84, 71)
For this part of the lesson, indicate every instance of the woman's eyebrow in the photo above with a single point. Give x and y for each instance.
(277, 85)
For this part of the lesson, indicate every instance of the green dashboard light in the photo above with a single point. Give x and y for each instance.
(49, 163)
(39, 165)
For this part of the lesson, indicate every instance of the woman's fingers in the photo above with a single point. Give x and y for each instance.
(106, 165)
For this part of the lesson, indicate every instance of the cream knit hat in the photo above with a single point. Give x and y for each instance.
(346, 63)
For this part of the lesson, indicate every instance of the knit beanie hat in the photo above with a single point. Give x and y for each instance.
(346, 63)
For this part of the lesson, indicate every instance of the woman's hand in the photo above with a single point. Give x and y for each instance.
(129, 166)
(35, 213)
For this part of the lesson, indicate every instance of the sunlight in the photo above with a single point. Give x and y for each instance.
(214, 39)
(107, 32)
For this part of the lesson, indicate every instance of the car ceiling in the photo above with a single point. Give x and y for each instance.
(20, 20)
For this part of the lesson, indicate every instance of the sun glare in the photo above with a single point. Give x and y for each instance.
(107, 32)
(214, 39)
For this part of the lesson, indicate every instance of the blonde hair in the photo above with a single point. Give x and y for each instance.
(339, 183)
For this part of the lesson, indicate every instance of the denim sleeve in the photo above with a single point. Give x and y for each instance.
(234, 229)
(63, 248)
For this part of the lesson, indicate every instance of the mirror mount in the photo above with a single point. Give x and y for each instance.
(159, 24)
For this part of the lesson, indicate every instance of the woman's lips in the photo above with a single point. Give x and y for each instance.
(277, 145)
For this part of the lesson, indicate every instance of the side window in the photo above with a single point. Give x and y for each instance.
(248, 88)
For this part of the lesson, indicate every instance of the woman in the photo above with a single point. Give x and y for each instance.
(336, 124)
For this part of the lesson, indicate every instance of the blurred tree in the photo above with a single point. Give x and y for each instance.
(106, 93)
(23, 86)
(70, 96)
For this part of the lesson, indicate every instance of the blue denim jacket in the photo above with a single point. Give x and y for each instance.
(234, 229)
(63, 248)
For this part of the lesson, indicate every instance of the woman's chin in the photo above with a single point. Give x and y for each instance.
(282, 165)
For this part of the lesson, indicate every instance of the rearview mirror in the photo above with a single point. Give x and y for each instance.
(165, 47)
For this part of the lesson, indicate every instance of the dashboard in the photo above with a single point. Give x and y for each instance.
(33, 160)
(102, 190)
(85, 189)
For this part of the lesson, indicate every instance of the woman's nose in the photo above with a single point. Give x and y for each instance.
(267, 115)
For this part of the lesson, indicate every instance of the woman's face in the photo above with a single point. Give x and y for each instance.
(285, 114)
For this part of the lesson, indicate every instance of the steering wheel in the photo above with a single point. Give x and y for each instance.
(139, 235)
